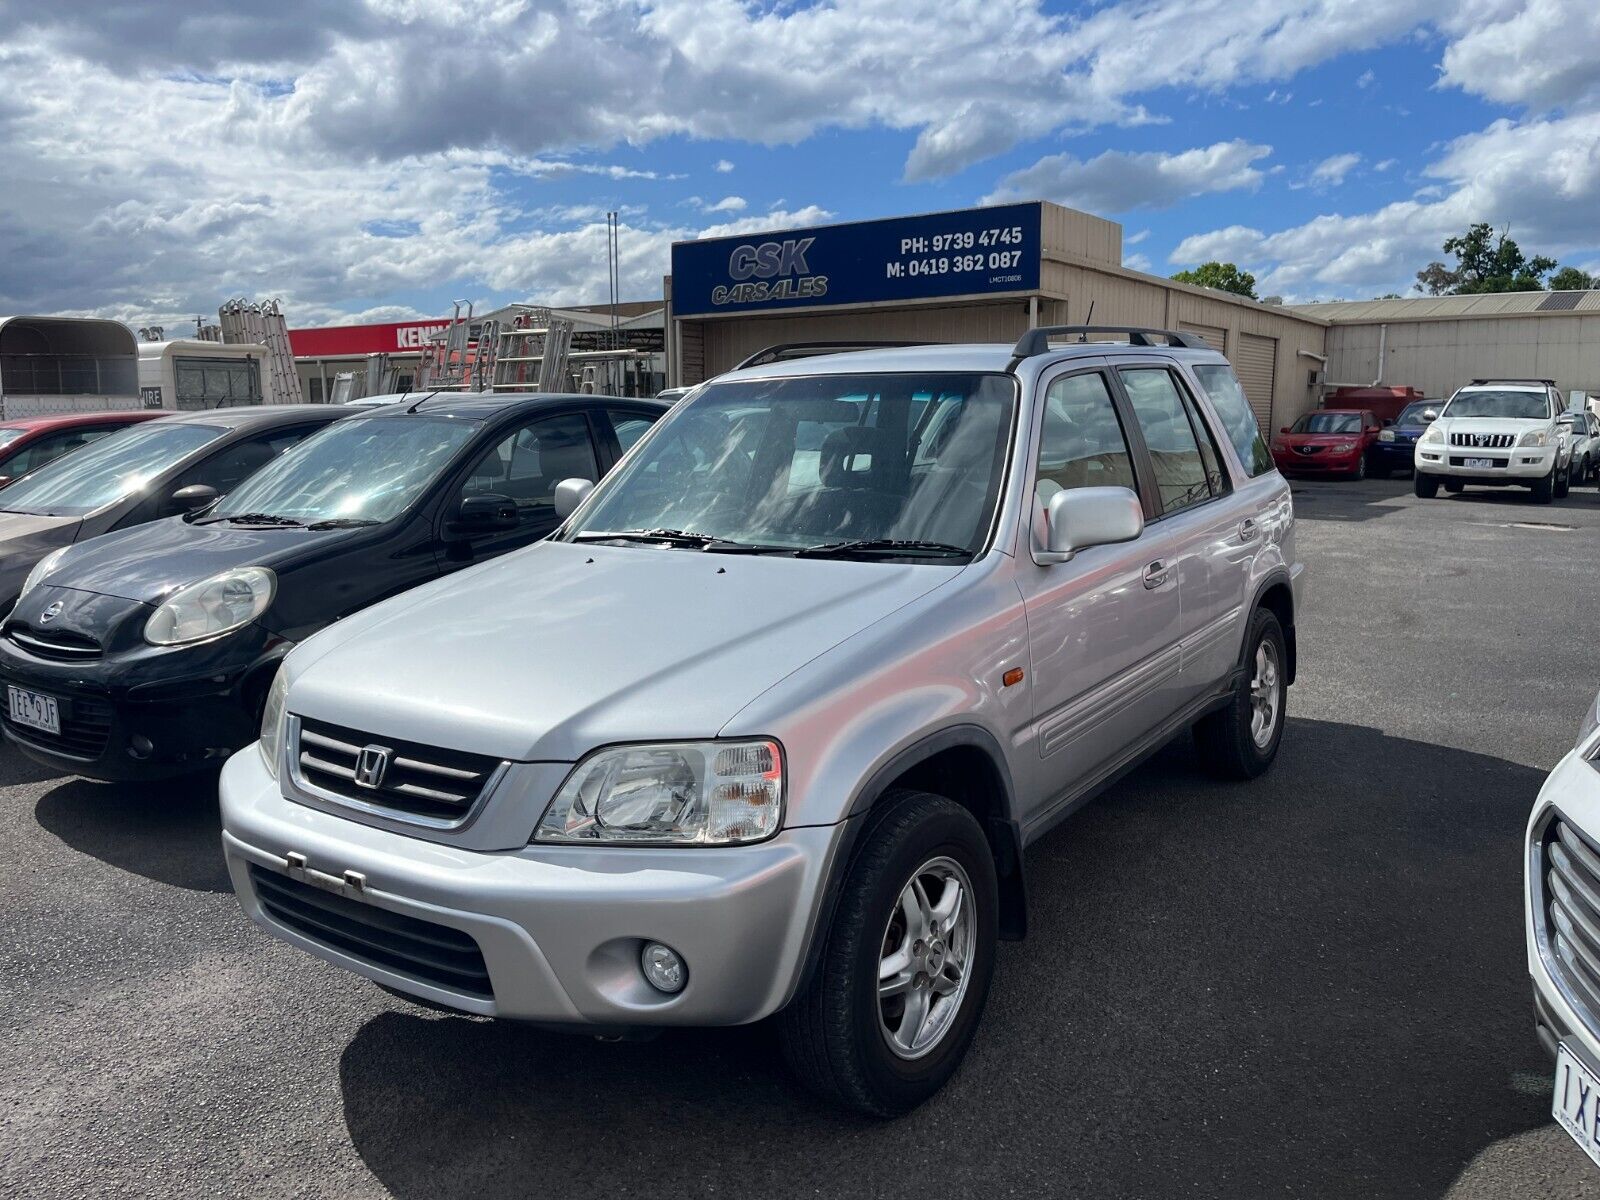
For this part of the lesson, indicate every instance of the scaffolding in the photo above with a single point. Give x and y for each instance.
(533, 354)
(262, 324)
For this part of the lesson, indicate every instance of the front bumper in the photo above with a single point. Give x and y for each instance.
(559, 928)
(1397, 455)
(1563, 1013)
(169, 714)
(1517, 465)
(1291, 463)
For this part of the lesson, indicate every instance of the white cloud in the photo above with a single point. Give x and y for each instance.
(1137, 262)
(728, 204)
(1535, 52)
(1366, 78)
(1133, 239)
(722, 165)
(1330, 172)
(1385, 164)
(1117, 182)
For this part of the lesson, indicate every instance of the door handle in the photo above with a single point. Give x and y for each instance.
(1156, 574)
(1247, 529)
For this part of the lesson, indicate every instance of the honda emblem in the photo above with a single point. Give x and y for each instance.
(372, 764)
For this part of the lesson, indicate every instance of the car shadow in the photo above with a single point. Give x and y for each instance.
(1313, 984)
(170, 832)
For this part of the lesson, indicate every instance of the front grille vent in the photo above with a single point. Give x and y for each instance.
(1572, 900)
(435, 954)
(60, 645)
(435, 785)
(1484, 441)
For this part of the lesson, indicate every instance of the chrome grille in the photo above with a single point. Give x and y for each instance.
(61, 645)
(420, 782)
(1572, 903)
(436, 954)
(1484, 441)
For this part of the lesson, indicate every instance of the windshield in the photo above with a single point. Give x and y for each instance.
(358, 469)
(787, 464)
(1510, 406)
(118, 465)
(1328, 422)
(1411, 414)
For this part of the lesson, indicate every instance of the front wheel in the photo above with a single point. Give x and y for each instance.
(1360, 472)
(1564, 483)
(1424, 485)
(894, 1002)
(1240, 740)
(1544, 490)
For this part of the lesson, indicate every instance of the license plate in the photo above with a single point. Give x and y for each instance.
(1480, 464)
(34, 709)
(1577, 1102)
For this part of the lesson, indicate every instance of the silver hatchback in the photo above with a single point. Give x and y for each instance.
(768, 725)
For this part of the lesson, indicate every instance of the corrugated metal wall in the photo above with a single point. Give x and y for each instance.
(1440, 356)
(1256, 361)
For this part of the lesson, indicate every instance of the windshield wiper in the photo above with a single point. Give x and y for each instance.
(342, 523)
(673, 537)
(251, 519)
(884, 548)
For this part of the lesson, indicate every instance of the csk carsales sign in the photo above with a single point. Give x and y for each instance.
(346, 341)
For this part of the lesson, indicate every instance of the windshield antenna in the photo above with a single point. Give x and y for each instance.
(421, 402)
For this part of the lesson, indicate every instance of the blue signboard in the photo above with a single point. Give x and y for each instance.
(976, 251)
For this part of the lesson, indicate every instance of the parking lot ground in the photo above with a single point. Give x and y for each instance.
(1313, 985)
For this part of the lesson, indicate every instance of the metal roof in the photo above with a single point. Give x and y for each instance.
(1435, 308)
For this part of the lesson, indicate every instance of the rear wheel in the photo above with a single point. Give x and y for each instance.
(1544, 490)
(1424, 485)
(894, 1002)
(1241, 740)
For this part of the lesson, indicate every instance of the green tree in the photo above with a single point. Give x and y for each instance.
(1220, 276)
(1485, 262)
(1570, 279)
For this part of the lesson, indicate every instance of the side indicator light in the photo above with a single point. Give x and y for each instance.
(1012, 677)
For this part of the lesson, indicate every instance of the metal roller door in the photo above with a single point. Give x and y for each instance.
(1216, 337)
(1257, 363)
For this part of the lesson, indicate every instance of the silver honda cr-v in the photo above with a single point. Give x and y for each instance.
(768, 725)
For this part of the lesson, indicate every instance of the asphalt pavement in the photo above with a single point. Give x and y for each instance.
(1313, 985)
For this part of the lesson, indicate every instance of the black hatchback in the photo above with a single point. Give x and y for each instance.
(148, 653)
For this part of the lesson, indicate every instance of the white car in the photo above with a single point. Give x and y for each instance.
(1561, 902)
(1496, 432)
(1583, 439)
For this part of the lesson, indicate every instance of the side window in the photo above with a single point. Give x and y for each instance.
(1182, 476)
(1228, 398)
(1082, 443)
(231, 466)
(628, 426)
(528, 462)
(48, 448)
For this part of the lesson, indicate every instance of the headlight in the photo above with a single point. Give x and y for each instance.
(1434, 434)
(272, 721)
(1386, 436)
(1535, 437)
(44, 567)
(212, 607)
(1342, 447)
(674, 793)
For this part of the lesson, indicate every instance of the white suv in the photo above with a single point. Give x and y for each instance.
(1496, 432)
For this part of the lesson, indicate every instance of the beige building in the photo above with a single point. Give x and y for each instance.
(1438, 343)
(903, 280)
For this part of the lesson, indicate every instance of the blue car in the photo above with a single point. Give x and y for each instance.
(1395, 447)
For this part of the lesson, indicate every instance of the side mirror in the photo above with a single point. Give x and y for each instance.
(1078, 518)
(488, 513)
(1285, 429)
(192, 498)
(1388, 421)
(569, 494)
(1429, 415)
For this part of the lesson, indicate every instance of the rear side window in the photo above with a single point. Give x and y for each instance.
(1238, 421)
(1182, 473)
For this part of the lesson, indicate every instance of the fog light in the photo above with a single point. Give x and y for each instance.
(662, 968)
(140, 746)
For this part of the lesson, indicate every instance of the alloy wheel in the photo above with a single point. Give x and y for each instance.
(1266, 694)
(926, 955)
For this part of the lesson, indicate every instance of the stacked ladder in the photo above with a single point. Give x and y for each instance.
(532, 354)
(447, 358)
(244, 323)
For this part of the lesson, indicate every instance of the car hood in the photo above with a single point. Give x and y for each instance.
(148, 562)
(1491, 424)
(559, 648)
(1305, 439)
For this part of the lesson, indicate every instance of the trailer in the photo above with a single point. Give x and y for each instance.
(189, 374)
(66, 365)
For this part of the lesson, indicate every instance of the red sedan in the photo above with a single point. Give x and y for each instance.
(27, 443)
(1330, 441)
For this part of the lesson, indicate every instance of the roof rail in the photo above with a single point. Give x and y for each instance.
(1037, 341)
(1480, 382)
(806, 349)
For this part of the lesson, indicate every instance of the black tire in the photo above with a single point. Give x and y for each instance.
(1564, 483)
(1544, 490)
(1227, 746)
(1424, 485)
(1454, 486)
(831, 1033)
(1360, 472)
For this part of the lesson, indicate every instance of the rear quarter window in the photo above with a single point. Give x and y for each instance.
(1221, 385)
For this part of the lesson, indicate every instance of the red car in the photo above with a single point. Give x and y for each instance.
(27, 443)
(1330, 441)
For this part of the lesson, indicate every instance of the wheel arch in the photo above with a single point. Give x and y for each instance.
(1277, 597)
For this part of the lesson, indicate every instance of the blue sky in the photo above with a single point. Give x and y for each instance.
(377, 159)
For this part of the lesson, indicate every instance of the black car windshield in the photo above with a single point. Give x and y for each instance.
(1328, 422)
(909, 464)
(1508, 405)
(1411, 414)
(360, 469)
(116, 466)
